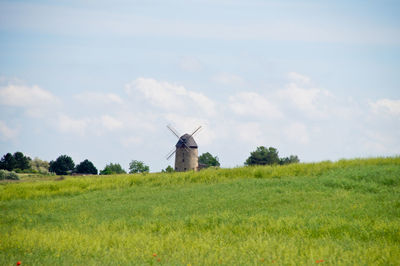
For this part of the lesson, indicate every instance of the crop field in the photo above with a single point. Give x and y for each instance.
(332, 213)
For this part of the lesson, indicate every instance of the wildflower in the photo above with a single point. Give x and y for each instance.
(154, 255)
(158, 259)
(18, 263)
(319, 261)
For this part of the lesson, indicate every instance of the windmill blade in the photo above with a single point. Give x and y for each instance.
(169, 155)
(186, 147)
(173, 131)
(195, 131)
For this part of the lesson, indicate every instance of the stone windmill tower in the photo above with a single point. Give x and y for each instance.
(186, 152)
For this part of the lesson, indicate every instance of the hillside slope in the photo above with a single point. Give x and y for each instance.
(341, 213)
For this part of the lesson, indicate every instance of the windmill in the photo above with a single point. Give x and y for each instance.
(186, 153)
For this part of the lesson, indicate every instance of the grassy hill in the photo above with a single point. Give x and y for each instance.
(341, 213)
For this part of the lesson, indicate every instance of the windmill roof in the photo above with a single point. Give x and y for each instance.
(186, 139)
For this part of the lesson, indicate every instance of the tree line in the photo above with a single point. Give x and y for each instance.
(64, 165)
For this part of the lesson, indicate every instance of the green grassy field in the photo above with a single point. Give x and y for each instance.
(341, 213)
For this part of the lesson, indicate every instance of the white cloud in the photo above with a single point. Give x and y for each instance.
(98, 98)
(296, 77)
(136, 120)
(253, 104)
(203, 102)
(386, 106)
(34, 100)
(16, 95)
(228, 79)
(170, 96)
(380, 143)
(111, 123)
(70, 125)
(7, 133)
(161, 94)
(187, 124)
(250, 132)
(297, 132)
(312, 101)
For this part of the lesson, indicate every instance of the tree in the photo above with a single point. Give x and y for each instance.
(111, 169)
(21, 161)
(263, 156)
(13, 162)
(62, 166)
(86, 167)
(39, 166)
(208, 160)
(169, 169)
(288, 160)
(138, 167)
(7, 162)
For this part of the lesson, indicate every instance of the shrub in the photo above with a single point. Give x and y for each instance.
(39, 166)
(6, 175)
(169, 169)
(111, 169)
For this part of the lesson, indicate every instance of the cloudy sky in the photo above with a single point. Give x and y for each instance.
(100, 80)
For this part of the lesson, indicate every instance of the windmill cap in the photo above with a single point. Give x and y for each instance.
(188, 140)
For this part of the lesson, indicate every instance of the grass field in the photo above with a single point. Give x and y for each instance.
(333, 213)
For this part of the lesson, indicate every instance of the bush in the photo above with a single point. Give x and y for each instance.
(111, 169)
(6, 175)
(39, 166)
(169, 169)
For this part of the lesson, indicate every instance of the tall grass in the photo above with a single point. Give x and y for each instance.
(341, 213)
(77, 185)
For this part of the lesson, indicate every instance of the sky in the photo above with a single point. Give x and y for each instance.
(101, 80)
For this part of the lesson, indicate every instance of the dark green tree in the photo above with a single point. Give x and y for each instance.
(111, 169)
(86, 167)
(138, 167)
(7, 162)
(208, 160)
(21, 161)
(263, 156)
(62, 166)
(288, 160)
